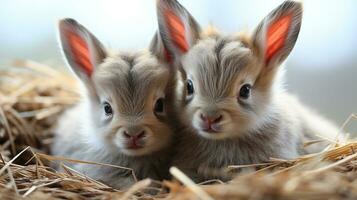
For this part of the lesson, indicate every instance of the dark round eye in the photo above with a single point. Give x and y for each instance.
(159, 106)
(244, 92)
(108, 109)
(189, 88)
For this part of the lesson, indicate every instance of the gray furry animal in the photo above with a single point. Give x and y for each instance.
(124, 116)
(232, 105)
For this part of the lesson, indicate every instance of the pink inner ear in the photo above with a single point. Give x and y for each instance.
(80, 51)
(176, 30)
(276, 36)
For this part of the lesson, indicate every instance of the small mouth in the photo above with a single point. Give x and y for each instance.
(210, 130)
(214, 128)
(134, 146)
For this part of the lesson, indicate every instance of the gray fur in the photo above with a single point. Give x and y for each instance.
(269, 124)
(131, 82)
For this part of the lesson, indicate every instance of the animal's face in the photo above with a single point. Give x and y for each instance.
(132, 92)
(128, 94)
(222, 96)
(227, 81)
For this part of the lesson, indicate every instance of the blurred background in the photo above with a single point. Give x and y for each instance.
(321, 70)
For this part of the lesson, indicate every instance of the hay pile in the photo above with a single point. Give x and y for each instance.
(33, 95)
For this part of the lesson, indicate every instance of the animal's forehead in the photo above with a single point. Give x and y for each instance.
(215, 63)
(139, 66)
(141, 63)
(220, 52)
(130, 77)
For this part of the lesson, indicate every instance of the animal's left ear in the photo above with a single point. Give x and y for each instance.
(178, 30)
(276, 35)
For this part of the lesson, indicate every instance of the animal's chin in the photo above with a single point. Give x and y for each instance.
(212, 135)
(227, 133)
(135, 151)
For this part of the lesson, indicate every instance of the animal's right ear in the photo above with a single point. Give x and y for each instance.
(178, 30)
(276, 35)
(81, 49)
(158, 49)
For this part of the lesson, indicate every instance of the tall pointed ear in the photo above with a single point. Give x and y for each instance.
(158, 49)
(81, 49)
(178, 30)
(276, 35)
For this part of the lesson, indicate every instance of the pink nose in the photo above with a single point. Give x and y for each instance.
(134, 140)
(208, 121)
(134, 137)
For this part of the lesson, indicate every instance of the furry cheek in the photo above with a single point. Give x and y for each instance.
(189, 113)
(242, 122)
(196, 121)
(160, 138)
(119, 140)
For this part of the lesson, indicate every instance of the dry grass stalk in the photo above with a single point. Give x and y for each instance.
(32, 96)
